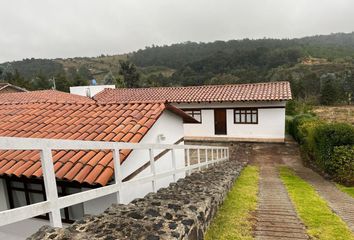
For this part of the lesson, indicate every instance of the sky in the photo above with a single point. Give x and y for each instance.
(77, 28)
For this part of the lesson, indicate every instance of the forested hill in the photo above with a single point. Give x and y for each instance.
(177, 55)
(316, 66)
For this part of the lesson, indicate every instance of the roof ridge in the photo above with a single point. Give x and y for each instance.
(198, 86)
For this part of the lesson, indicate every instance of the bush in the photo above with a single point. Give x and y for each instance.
(328, 136)
(343, 163)
(294, 127)
(329, 145)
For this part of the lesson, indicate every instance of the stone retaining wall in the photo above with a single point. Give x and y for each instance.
(184, 210)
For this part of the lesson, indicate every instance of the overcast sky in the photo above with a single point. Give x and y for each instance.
(70, 28)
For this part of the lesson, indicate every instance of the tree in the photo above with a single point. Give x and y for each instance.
(41, 82)
(84, 73)
(328, 93)
(62, 83)
(130, 74)
(109, 79)
(80, 81)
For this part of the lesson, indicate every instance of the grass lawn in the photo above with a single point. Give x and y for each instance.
(321, 222)
(348, 190)
(233, 219)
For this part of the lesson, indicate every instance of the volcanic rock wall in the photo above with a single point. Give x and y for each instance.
(183, 210)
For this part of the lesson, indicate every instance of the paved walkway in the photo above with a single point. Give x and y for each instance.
(276, 216)
(341, 203)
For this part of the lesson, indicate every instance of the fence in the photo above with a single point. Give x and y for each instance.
(53, 203)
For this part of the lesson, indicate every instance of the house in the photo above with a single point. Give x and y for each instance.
(56, 115)
(241, 112)
(9, 88)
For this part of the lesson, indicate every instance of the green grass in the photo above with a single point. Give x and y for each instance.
(348, 190)
(320, 221)
(233, 219)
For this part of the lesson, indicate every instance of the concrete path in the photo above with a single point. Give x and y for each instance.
(341, 203)
(276, 216)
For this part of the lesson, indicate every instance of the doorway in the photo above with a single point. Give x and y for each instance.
(220, 121)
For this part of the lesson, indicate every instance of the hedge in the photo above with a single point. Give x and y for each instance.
(328, 145)
(343, 164)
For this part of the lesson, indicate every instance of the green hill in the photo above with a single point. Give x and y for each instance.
(309, 63)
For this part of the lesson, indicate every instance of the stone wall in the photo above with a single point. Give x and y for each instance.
(184, 210)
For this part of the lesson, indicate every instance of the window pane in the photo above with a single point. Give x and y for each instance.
(19, 198)
(36, 197)
(17, 184)
(34, 186)
(198, 118)
(237, 118)
(243, 118)
(254, 118)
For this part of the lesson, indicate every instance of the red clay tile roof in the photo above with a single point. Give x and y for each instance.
(109, 122)
(270, 91)
(43, 96)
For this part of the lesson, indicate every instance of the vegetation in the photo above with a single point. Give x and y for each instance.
(329, 146)
(233, 219)
(321, 222)
(319, 68)
(348, 190)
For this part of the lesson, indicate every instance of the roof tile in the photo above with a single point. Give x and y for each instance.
(269, 91)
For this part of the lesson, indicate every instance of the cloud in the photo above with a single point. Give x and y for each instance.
(69, 28)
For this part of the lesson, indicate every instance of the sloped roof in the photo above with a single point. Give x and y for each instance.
(43, 96)
(75, 121)
(270, 91)
(4, 85)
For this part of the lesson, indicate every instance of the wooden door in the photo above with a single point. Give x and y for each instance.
(220, 121)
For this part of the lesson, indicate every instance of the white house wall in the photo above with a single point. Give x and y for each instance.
(270, 127)
(171, 126)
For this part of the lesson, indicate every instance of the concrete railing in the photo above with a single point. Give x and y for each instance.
(53, 203)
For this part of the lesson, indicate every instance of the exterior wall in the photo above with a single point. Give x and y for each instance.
(139, 157)
(270, 127)
(89, 91)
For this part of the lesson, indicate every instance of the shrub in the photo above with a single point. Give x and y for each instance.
(329, 145)
(328, 136)
(343, 163)
(294, 128)
(306, 133)
(288, 123)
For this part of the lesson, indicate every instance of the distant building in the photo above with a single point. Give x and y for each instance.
(89, 91)
(9, 88)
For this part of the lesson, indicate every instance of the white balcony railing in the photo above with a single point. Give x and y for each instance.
(53, 204)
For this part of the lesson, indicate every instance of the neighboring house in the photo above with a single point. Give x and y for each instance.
(9, 88)
(56, 115)
(242, 112)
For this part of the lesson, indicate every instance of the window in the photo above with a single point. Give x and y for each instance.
(246, 116)
(26, 193)
(195, 113)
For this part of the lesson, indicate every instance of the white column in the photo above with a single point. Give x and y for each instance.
(117, 173)
(153, 169)
(50, 187)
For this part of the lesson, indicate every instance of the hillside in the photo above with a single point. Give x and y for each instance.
(309, 63)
